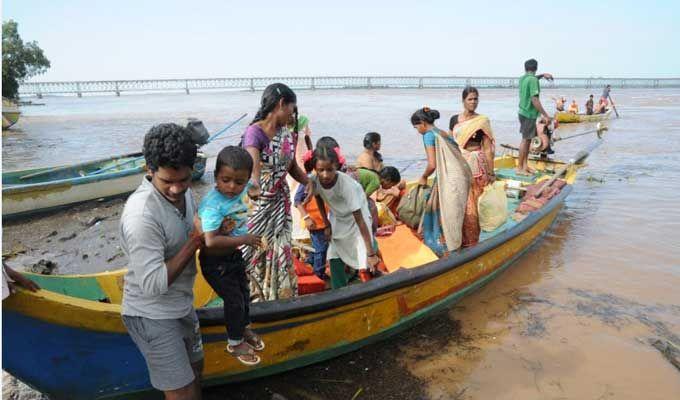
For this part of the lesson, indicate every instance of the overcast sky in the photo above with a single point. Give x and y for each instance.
(100, 40)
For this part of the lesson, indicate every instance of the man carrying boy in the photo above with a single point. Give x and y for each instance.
(529, 109)
(156, 235)
(223, 216)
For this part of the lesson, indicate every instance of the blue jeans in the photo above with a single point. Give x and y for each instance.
(318, 257)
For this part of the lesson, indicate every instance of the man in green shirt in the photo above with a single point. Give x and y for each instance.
(529, 110)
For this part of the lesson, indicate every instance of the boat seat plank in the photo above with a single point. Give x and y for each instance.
(403, 249)
(510, 173)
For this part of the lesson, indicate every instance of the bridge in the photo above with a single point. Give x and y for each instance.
(117, 87)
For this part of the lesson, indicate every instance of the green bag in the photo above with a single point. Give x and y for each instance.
(412, 206)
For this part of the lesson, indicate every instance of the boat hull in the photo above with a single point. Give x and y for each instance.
(23, 200)
(51, 197)
(84, 351)
(569, 118)
(9, 118)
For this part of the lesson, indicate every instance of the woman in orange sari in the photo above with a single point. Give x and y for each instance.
(473, 134)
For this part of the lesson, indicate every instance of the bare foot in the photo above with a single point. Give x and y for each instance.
(522, 172)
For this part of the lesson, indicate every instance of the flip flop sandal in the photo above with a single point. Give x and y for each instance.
(238, 354)
(253, 340)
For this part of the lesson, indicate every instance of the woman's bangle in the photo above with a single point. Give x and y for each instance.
(306, 217)
(372, 255)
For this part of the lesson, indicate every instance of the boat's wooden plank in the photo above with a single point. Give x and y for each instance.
(404, 249)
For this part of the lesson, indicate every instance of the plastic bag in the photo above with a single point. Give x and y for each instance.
(385, 216)
(492, 206)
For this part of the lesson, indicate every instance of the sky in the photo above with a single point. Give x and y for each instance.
(152, 39)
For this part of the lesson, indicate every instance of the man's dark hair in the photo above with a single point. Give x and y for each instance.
(390, 174)
(234, 157)
(531, 65)
(169, 145)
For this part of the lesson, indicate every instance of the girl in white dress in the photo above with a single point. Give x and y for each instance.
(349, 233)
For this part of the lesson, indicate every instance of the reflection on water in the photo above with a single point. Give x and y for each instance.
(573, 316)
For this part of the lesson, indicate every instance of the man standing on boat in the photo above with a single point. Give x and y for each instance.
(529, 110)
(605, 98)
(156, 234)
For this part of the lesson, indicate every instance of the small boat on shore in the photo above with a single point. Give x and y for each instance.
(68, 340)
(10, 113)
(38, 190)
(569, 118)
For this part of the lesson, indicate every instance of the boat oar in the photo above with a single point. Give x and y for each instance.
(613, 106)
(599, 129)
(577, 159)
(210, 139)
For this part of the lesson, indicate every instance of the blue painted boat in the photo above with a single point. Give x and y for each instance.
(38, 190)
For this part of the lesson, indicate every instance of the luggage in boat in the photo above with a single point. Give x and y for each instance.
(302, 268)
(492, 206)
(533, 203)
(310, 284)
(412, 206)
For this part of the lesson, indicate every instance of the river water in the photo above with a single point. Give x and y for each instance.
(571, 319)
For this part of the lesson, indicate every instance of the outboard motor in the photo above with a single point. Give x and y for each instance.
(199, 135)
(542, 144)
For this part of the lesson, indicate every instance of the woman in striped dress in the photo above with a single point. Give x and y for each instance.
(272, 146)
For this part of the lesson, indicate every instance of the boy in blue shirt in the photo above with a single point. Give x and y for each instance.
(223, 215)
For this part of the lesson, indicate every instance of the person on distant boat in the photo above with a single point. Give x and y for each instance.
(473, 134)
(605, 94)
(271, 145)
(157, 237)
(371, 158)
(530, 109)
(442, 221)
(573, 107)
(559, 103)
(601, 108)
(589, 105)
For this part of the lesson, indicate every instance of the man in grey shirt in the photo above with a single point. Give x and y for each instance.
(156, 234)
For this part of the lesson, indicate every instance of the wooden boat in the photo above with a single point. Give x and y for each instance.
(568, 118)
(68, 341)
(10, 113)
(39, 190)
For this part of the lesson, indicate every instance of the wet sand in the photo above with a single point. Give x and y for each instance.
(572, 319)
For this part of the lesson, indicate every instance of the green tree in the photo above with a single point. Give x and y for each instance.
(20, 60)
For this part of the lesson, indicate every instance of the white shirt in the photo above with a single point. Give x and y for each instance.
(345, 197)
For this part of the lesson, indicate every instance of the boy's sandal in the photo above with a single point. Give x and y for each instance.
(253, 340)
(246, 357)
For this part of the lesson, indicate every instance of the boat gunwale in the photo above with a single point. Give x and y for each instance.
(280, 310)
(80, 180)
(299, 306)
